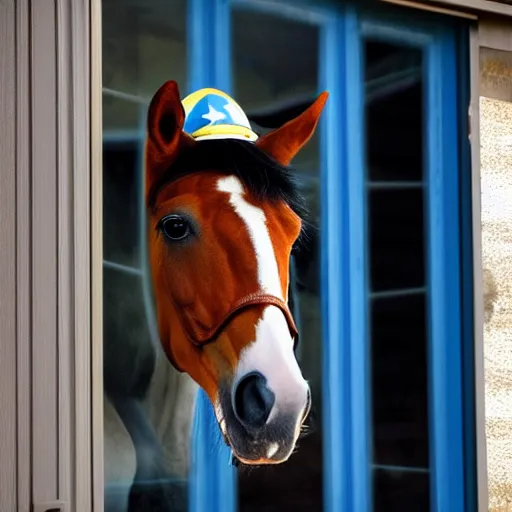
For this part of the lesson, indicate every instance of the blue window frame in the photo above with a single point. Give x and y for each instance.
(347, 423)
(345, 288)
(347, 426)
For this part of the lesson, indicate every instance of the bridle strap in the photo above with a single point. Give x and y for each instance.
(252, 299)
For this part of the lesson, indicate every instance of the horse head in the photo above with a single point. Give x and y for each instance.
(224, 215)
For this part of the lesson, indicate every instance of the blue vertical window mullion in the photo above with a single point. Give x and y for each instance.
(345, 352)
(200, 39)
(222, 45)
(212, 477)
(360, 382)
(446, 410)
(335, 352)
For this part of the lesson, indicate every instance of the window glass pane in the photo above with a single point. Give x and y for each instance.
(398, 287)
(496, 189)
(121, 114)
(121, 223)
(143, 44)
(275, 75)
(148, 405)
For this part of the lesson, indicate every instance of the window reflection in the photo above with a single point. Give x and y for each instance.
(143, 45)
(496, 214)
(148, 405)
(275, 69)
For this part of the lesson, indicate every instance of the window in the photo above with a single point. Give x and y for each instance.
(375, 288)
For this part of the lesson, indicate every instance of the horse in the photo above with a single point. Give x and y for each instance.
(149, 403)
(224, 215)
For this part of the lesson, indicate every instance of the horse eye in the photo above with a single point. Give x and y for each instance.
(175, 227)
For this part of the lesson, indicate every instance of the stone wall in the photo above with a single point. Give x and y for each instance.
(496, 183)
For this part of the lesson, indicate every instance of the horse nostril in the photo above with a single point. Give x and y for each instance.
(253, 400)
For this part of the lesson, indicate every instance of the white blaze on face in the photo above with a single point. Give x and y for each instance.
(254, 219)
(271, 354)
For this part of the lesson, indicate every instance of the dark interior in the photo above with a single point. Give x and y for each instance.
(395, 232)
(121, 187)
(394, 113)
(397, 278)
(401, 491)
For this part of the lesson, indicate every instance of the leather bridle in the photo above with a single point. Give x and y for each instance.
(201, 336)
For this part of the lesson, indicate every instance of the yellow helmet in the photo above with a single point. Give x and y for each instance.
(212, 114)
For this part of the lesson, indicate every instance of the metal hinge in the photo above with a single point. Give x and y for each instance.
(50, 506)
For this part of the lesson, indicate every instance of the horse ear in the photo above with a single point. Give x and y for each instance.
(285, 142)
(165, 135)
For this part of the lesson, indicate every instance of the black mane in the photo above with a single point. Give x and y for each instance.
(261, 174)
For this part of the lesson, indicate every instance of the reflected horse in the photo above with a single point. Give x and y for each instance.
(148, 408)
(223, 218)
